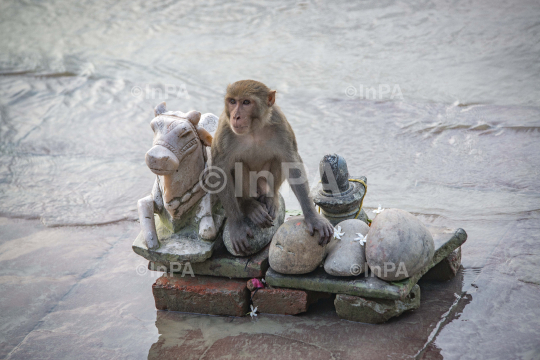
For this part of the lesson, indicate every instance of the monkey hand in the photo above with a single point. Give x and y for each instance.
(258, 214)
(317, 222)
(271, 205)
(239, 232)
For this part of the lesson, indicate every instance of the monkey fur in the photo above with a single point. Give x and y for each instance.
(255, 138)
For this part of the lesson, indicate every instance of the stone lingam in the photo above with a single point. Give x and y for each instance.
(189, 219)
(339, 196)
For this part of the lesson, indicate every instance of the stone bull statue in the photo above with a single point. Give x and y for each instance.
(178, 157)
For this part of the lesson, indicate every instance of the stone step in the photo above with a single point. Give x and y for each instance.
(446, 241)
(181, 246)
(223, 264)
(446, 269)
(375, 311)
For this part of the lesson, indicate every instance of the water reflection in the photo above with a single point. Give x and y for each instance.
(319, 333)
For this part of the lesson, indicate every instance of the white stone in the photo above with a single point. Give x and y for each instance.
(346, 257)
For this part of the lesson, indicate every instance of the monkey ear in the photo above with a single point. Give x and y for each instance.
(271, 97)
(160, 109)
(194, 117)
(205, 136)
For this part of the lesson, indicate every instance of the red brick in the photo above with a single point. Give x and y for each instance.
(201, 294)
(285, 301)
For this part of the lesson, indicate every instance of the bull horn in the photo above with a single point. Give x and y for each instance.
(160, 109)
(194, 117)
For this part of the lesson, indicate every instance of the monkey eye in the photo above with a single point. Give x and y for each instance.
(246, 102)
(232, 101)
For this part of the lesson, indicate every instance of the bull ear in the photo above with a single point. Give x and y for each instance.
(205, 136)
(160, 109)
(194, 117)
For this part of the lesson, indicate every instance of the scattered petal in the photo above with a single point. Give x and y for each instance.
(361, 238)
(253, 311)
(257, 284)
(337, 233)
(379, 210)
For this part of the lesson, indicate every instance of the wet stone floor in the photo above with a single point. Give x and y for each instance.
(81, 293)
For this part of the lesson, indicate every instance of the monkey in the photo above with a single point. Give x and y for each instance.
(254, 137)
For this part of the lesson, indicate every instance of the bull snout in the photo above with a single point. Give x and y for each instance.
(161, 160)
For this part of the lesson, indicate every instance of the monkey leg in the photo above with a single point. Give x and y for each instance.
(268, 188)
(146, 218)
(256, 212)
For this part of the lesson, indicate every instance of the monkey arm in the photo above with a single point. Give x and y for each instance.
(297, 179)
(299, 184)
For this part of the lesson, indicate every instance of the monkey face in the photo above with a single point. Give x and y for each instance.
(242, 111)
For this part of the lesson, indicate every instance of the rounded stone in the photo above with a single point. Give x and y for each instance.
(293, 250)
(346, 257)
(398, 245)
(261, 237)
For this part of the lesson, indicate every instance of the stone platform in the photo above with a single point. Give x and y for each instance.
(223, 264)
(446, 241)
(375, 311)
(446, 269)
(179, 247)
(363, 298)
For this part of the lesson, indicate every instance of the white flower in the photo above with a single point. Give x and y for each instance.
(337, 233)
(379, 210)
(253, 311)
(361, 238)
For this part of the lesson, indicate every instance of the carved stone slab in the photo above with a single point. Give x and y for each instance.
(180, 247)
(446, 241)
(223, 264)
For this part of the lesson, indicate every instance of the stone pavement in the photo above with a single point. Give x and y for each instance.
(81, 292)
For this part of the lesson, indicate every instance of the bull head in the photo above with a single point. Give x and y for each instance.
(176, 135)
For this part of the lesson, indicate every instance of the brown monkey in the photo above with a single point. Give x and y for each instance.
(253, 135)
